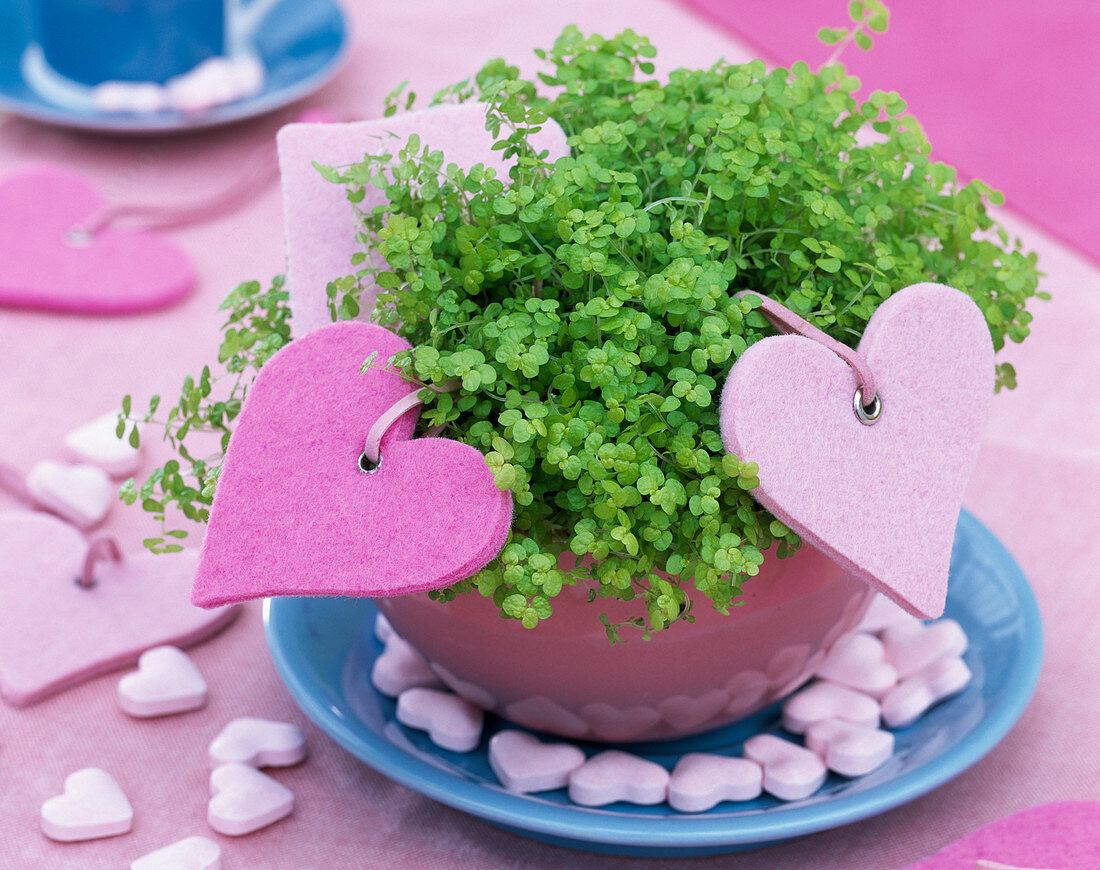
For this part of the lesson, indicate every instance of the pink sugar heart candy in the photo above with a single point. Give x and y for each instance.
(544, 714)
(295, 515)
(95, 443)
(825, 700)
(858, 661)
(114, 271)
(609, 722)
(914, 695)
(881, 614)
(614, 776)
(700, 781)
(320, 222)
(135, 604)
(192, 853)
(790, 772)
(683, 712)
(244, 800)
(847, 748)
(81, 494)
(92, 806)
(882, 500)
(451, 722)
(400, 667)
(166, 682)
(911, 646)
(525, 764)
(258, 743)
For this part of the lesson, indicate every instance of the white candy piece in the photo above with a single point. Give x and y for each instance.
(119, 96)
(382, 629)
(258, 743)
(400, 667)
(858, 661)
(825, 700)
(451, 722)
(245, 800)
(914, 695)
(700, 781)
(847, 748)
(80, 494)
(523, 763)
(194, 853)
(166, 682)
(95, 443)
(92, 806)
(618, 776)
(791, 772)
(912, 646)
(881, 614)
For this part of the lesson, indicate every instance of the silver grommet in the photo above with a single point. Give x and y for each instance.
(368, 465)
(868, 415)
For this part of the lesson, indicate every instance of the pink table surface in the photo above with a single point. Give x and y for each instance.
(1037, 486)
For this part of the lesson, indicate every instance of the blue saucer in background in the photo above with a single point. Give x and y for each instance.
(301, 43)
(323, 649)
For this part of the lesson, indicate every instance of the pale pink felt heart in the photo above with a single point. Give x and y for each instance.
(882, 500)
(78, 632)
(112, 271)
(295, 515)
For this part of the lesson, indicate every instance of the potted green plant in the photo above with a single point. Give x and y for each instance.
(588, 308)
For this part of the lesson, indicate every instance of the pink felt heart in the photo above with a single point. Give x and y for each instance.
(294, 514)
(881, 499)
(113, 271)
(55, 633)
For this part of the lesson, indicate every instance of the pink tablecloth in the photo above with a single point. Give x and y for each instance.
(1037, 486)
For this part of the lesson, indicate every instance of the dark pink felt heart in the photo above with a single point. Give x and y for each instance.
(55, 633)
(883, 500)
(294, 515)
(114, 271)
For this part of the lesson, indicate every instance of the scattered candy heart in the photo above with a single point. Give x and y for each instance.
(847, 748)
(400, 667)
(135, 604)
(245, 800)
(113, 271)
(790, 772)
(81, 494)
(911, 646)
(258, 743)
(882, 613)
(165, 682)
(614, 776)
(609, 722)
(273, 529)
(451, 722)
(824, 700)
(194, 853)
(858, 661)
(95, 443)
(788, 406)
(915, 694)
(91, 806)
(700, 781)
(524, 763)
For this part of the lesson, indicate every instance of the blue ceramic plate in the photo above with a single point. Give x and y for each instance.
(324, 647)
(302, 44)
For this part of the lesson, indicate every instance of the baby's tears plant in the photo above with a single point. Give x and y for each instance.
(587, 305)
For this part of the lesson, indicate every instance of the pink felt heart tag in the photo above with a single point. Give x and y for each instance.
(112, 271)
(880, 499)
(55, 633)
(294, 514)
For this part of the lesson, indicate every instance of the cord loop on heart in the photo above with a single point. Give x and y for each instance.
(868, 412)
(371, 457)
(99, 548)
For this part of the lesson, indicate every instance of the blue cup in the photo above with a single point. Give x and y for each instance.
(93, 41)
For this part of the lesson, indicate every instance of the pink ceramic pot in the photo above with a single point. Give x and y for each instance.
(565, 678)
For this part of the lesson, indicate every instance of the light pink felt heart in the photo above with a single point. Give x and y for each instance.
(114, 271)
(294, 515)
(882, 500)
(55, 633)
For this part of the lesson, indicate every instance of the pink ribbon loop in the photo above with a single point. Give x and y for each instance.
(373, 442)
(99, 548)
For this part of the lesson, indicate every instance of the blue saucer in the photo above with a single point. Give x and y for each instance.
(323, 649)
(302, 44)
